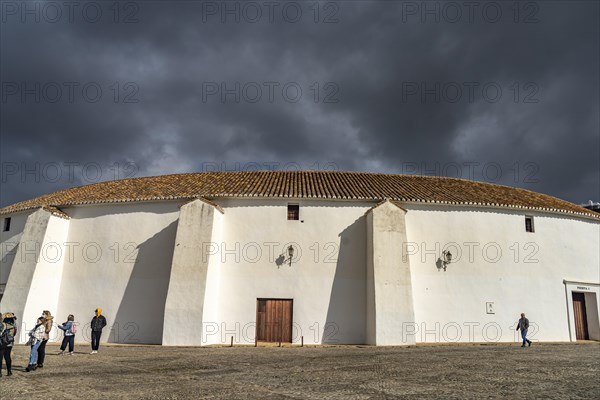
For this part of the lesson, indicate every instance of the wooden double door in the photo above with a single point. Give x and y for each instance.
(274, 320)
(581, 326)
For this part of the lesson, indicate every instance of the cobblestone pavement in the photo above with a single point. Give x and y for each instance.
(559, 371)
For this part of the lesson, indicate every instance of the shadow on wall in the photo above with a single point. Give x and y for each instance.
(9, 251)
(9, 257)
(347, 304)
(141, 312)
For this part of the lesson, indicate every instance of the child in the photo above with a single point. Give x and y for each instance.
(37, 336)
(69, 338)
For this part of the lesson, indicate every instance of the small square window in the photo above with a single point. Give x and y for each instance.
(293, 213)
(6, 225)
(529, 224)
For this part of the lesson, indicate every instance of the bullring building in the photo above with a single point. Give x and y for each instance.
(303, 257)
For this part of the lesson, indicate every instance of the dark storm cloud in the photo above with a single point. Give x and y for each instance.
(386, 86)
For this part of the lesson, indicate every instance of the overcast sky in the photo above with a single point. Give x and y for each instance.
(501, 92)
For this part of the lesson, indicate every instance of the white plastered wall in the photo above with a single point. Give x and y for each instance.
(526, 276)
(326, 279)
(8, 244)
(210, 312)
(47, 279)
(38, 259)
(389, 286)
(120, 260)
(189, 278)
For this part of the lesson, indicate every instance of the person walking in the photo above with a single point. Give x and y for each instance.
(97, 324)
(47, 328)
(69, 338)
(36, 337)
(523, 325)
(8, 331)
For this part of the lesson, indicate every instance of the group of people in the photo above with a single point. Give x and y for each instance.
(39, 335)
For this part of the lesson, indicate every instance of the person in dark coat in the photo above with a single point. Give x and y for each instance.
(523, 325)
(97, 324)
(9, 325)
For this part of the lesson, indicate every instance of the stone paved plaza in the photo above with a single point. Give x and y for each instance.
(559, 371)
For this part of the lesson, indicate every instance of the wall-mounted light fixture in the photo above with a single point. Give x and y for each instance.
(446, 258)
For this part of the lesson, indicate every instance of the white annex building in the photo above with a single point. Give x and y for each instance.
(303, 257)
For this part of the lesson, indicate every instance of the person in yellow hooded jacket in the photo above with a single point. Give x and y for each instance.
(97, 324)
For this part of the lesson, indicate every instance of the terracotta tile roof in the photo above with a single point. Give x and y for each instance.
(304, 184)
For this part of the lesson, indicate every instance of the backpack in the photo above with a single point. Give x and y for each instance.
(6, 339)
(73, 328)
